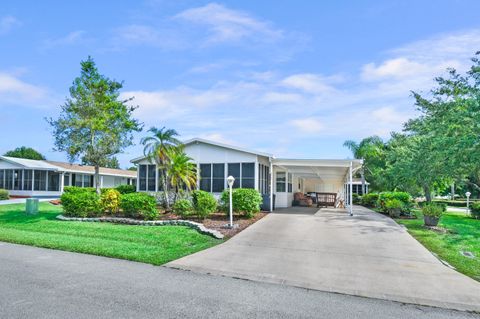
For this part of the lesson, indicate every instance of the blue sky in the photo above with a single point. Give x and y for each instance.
(293, 78)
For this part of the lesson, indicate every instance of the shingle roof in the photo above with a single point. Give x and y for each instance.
(91, 169)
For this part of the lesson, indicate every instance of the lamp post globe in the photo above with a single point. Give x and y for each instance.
(230, 181)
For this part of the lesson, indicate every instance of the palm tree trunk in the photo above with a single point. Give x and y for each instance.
(97, 179)
(165, 191)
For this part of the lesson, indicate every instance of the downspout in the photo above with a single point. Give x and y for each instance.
(271, 184)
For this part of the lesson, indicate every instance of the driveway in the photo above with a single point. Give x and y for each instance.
(366, 255)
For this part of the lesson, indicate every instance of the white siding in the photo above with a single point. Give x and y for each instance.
(206, 153)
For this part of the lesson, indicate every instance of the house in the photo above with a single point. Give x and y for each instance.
(252, 169)
(40, 178)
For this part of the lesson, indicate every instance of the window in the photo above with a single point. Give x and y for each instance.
(53, 181)
(78, 180)
(9, 179)
(263, 178)
(142, 171)
(87, 180)
(281, 181)
(218, 178)
(40, 183)
(151, 178)
(66, 180)
(27, 180)
(248, 175)
(289, 182)
(17, 179)
(206, 177)
(2, 178)
(234, 170)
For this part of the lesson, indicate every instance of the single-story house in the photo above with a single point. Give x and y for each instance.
(252, 169)
(40, 178)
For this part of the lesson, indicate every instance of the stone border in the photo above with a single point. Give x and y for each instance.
(130, 221)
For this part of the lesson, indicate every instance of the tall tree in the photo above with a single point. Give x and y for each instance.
(111, 162)
(159, 148)
(25, 152)
(94, 124)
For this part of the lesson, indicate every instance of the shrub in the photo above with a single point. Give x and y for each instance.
(475, 210)
(454, 203)
(76, 189)
(357, 199)
(393, 206)
(183, 208)
(404, 197)
(432, 210)
(139, 205)
(204, 203)
(245, 201)
(126, 189)
(370, 199)
(3, 194)
(110, 201)
(81, 204)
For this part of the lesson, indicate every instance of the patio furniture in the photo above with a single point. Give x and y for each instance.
(299, 199)
(326, 199)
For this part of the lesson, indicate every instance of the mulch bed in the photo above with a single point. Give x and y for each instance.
(217, 221)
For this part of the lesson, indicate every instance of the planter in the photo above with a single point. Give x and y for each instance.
(431, 220)
(394, 212)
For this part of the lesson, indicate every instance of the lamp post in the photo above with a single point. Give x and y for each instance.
(230, 180)
(468, 201)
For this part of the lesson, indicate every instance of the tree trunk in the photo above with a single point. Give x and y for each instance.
(362, 173)
(165, 191)
(97, 179)
(428, 194)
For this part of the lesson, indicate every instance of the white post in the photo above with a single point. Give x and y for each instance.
(468, 201)
(231, 206)
(351, 189)
(62, 182)
(271, 185)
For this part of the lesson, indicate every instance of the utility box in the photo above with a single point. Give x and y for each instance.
(31, 206)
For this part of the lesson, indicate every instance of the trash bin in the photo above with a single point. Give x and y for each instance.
(266, 202)
(31, 206)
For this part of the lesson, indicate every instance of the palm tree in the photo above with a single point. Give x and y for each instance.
(159, 148)
(182, 172)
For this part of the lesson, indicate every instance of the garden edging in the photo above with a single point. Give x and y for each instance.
(130, 221)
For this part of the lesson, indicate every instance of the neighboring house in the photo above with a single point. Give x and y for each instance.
(37, 178)
(253, 169)
(357, 186)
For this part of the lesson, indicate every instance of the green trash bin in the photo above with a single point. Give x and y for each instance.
(31, 206)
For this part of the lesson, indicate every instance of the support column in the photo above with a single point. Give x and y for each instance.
(350, 195)
(62, 181)
(271, 185)
(257, 178)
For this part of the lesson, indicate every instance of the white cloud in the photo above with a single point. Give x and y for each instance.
(227, 25)
(14, 91)
(138, 34)
(310, 83)
(71, 38)
(7, 23)
(308, 125)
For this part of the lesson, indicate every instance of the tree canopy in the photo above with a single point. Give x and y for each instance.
(94, 124)
(25, 152)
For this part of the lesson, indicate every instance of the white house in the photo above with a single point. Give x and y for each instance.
(38, 178)
(252, 169)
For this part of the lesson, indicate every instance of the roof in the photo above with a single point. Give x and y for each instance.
(67, 167)
(210, 142)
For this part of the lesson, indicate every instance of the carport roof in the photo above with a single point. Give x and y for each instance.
(327, 169)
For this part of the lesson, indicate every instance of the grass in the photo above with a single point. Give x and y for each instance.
(463, 235)
(150, 244)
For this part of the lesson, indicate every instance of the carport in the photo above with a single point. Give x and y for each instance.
(312, 176)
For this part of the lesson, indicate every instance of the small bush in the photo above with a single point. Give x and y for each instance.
(81, 204)
(245, 201)
(110, 201)
(3, 194)
(393, 207)
(475, 210)
(139, 205)
(432, 210)
(357, 199)
(183, 208)
(404, 197)
(455, 203)
(369, 200)
(76, 189)
(204, 203)
(126, 189)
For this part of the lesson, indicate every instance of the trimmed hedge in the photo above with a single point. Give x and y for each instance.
(357, 199)
(204, 203)
(76, 189)
(81, 204)
(370, 199)
(139, 205)
(404, 197)
(454, 203)
(245, 201)
(183, 208)
(3, 194)
(126, 189)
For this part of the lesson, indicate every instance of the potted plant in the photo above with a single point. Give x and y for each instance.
(432, 213)
(394, 207)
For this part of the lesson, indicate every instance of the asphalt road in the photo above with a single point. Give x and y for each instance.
(41, 283)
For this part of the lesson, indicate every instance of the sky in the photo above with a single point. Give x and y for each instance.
(291, 78)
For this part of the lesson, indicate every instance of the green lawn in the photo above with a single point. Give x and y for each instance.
(150, 244)
(464, 236)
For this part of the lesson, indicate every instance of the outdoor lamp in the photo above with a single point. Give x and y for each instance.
(468, 202)
(230, 181)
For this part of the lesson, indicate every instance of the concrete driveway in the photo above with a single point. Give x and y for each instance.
(366, 255)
